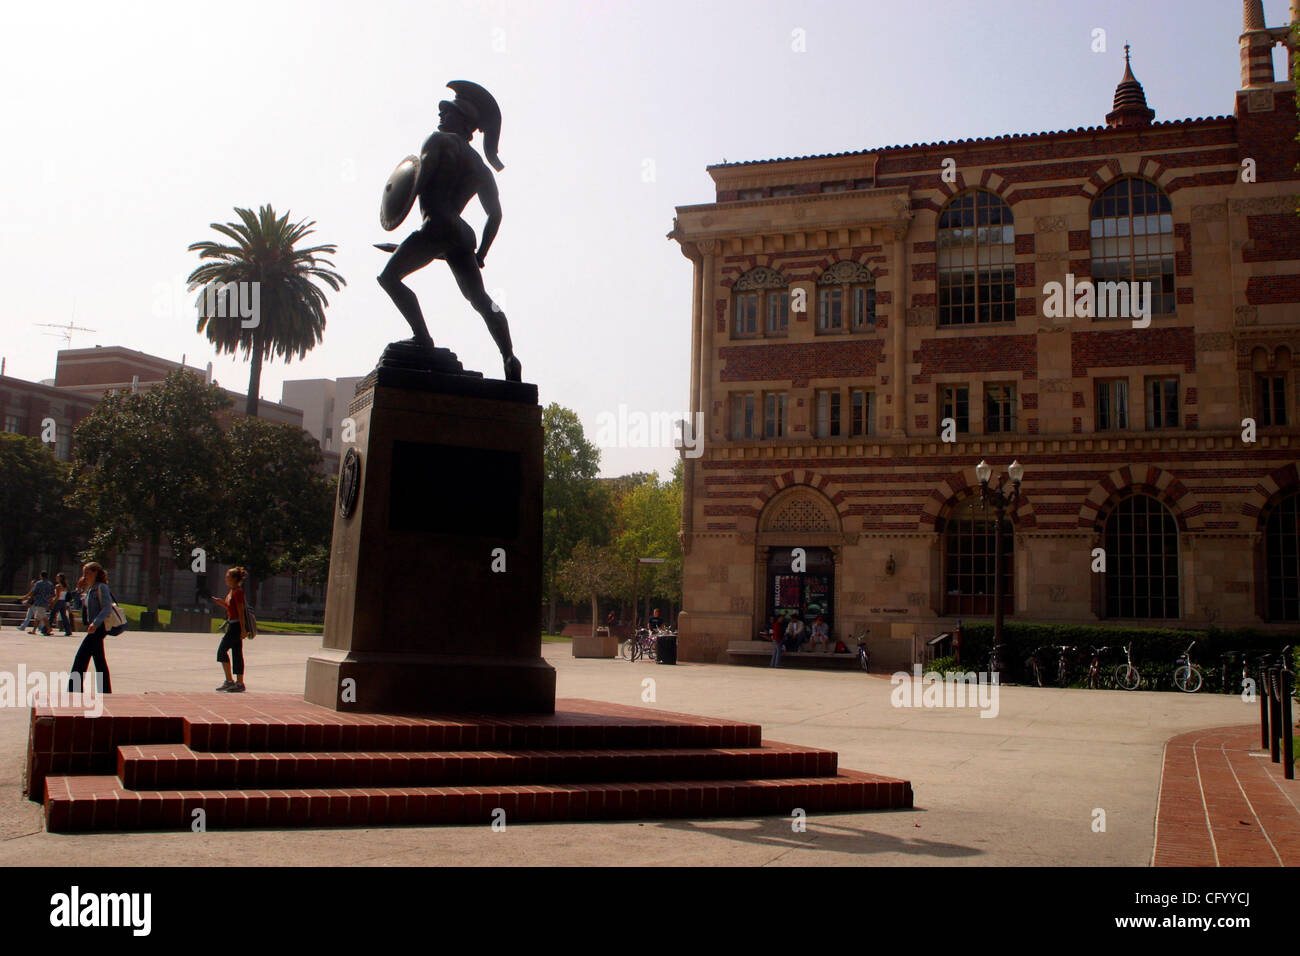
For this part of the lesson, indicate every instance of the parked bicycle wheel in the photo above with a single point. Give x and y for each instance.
(625, 648)
(863, 659)
(1037, 668)
(1127, 677)
(1188, 678)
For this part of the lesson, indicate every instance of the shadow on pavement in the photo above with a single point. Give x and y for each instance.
(820, 835)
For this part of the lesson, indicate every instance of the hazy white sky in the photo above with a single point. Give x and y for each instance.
(128, 128)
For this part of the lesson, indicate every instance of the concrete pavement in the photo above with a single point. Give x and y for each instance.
(1021, 788)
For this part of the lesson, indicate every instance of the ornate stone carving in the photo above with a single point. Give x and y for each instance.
(1263, 206)
(717, 574)
(760, 277)
(1056, 593)
(1055, 385)
(1214, 342)
(802, 513)
(1049, 224)
(1210, 212)
(855, 598)
(740, 605)
(845, 271)
(1260, 101)
(922, 317)
(1247, 315)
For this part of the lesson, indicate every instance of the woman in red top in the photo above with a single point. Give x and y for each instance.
(232, 645)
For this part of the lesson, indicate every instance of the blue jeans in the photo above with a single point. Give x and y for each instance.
(776, 654)
(28, 618)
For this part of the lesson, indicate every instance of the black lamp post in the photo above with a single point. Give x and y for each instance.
(1001, 499)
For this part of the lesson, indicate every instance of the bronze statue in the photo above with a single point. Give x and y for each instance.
(445, 177)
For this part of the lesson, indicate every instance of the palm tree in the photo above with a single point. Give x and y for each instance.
(290, 317)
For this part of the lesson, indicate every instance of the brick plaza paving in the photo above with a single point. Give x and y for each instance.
(1020, 788)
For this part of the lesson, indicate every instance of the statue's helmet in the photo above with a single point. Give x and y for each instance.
(479, 107)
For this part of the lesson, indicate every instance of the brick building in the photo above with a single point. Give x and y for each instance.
(81, 378)
(933, 335)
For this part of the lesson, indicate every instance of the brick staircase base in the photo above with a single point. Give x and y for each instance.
(272, 760)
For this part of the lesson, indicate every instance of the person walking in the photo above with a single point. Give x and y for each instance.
(99, 604)
(27, 602)
(62, 597)
(774, 632)
(232, 644)
(42, 601)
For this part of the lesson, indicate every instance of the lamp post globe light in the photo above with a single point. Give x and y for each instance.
(1000, 498)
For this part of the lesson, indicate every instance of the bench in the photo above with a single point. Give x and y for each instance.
(760, 652)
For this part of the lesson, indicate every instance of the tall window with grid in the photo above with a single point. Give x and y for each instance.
(1132, 239)
(970, 557)
(1141, 542)
(976, 246)
(1282, 558)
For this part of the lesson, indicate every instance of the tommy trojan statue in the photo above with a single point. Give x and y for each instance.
(446, 175)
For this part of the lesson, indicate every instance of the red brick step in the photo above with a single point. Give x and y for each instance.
(177, 767)
(79, 804)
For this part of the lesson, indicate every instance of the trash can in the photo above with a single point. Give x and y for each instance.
(666, 648)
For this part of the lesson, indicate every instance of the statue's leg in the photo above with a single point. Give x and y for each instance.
(465, 268)
(416, 252)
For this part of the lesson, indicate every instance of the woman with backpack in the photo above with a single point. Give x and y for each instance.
(232, 643)
(99, 609)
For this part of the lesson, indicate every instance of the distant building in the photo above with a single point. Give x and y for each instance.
(81, 378)
(324, 404)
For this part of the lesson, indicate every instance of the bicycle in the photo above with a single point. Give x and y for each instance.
(1063, 665)
(640, 644)
(864, 659)
(1187, 676)
(1126, 675)
(1035, 667)
(1094, 668)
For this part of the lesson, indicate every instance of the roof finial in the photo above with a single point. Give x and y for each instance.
(1130, 100)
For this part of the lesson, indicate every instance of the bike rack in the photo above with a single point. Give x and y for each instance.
(1277, 684)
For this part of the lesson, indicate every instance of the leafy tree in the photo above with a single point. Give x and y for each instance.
(290, 316)
(277, 505)
(33, 517)
(574, 505)
(589, 573)
(649, 517)
(149, 466)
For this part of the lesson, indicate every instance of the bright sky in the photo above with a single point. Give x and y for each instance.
(130, 127)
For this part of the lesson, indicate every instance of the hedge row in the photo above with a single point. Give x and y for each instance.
(1155, 650)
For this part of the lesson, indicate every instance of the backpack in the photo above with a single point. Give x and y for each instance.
(840, 648)
(249, 623)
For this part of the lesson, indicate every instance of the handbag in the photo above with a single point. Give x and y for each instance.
(115, 622)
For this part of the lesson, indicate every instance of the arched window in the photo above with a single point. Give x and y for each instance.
(1141, 542)
(1132, 233)
(760, 304)
(976, 244)
(970, 556)
(1282, 558)
(846, 298)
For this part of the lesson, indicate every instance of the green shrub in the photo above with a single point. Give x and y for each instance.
(1155, 649)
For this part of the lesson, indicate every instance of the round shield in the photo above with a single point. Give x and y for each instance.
(399, 193)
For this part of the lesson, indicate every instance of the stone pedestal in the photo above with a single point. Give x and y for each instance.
(434, 595)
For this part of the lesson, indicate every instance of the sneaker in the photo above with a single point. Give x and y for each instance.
(236, 689)
(226, 685)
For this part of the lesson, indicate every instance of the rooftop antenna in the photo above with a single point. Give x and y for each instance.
(65, 331)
